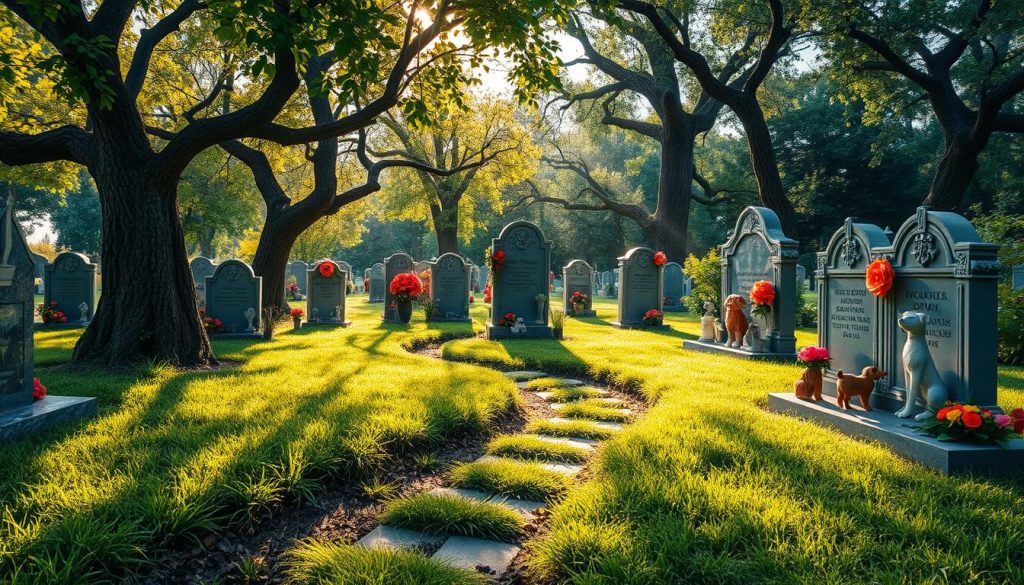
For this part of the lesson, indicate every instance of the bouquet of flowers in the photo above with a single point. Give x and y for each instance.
(487, 293)
(879, 277)
(496, 261)
(293, 288)
(762, 295)
(406, 286)
(508, 320)
(212, 325)
(296, 312)
(578, 301)
(814, 357)
(49, 313)
(472, 299)
(970, 423)
(654, 317)
(38, 390)
(660, 258)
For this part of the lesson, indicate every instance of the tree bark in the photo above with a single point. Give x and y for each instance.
(764, 163)
(675, 182)
(444, 215)
(271, 259)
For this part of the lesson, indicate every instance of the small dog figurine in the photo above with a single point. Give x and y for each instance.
(807, 387)
(848, 386)
(736, 321)
(922, 377)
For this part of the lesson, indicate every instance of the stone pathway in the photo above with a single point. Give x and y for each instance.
(489, 556)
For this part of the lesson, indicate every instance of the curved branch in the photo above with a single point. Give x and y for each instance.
(149, 38)
(69, 143)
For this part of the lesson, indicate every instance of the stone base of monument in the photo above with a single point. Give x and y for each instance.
(54, 326)
(452, 319)
(43, 414)
(495, 332)
(900, 435)
(719, 348)
(326, 324)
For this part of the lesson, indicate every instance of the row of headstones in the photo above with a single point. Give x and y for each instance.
(451, 281)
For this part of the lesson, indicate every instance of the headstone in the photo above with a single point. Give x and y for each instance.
(847, 313)
(606, 283)
(578, 276)
(325, 301)
(201, 268)
(615, 283)
(484, 276)
(1018, 276)
(757, 249)
(40, 262)
(673, 285)
(640, 287)
(298, 269)
(474, 278)
(346, 267)
(71, 281)
(231, 291)
(801, 274)
(20, 413)
(394, 265)
(521, 287)
(449, 287)
(377, 284)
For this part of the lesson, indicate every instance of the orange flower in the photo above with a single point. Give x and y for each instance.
(941, 415)
(326, 269)
(879, 277)
(972, 420)
(762, 293)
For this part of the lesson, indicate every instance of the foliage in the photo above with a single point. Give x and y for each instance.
(584, 429)
(515, 479)
(968, 423)
(529, 447)
(217, 201)
(320, 562)
(1010, 325)
(456, 515)
(653, 318)
(77, 219)
(706, 274)
(1007, 230)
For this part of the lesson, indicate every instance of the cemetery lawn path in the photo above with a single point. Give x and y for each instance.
(174, 455)
(709, 487)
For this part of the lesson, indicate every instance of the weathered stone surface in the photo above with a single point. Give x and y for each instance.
(604, 425)
(43, 414)
(71, 281)
(232, 290)
(519, 375)
(201, 267)
(298, 270)
(449, 287)
(640, 287)
(525, 507)
(578, 276)
(522, 286)
(673, 280)
(392, 537)
(394, 265)
(470, 553)
(377, 284)
(325, 302)
(572, 442)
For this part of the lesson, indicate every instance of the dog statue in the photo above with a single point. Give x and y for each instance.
(922, 377)
(808, 387)
(848, 386)
(736, 321)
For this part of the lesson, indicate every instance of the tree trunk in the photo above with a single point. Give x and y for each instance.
(445, 218)
(764, 164)
(954, 172)
(206, 241)
(148, 309)
(675, 181)
(280, 231)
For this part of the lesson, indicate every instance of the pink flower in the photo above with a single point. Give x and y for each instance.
(1002, 420)
(812, 353)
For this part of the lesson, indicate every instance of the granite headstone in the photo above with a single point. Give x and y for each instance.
(673, 285)
(231, 291)
(449, 287)
(377, 284)
(578, 276)
(201, 268)
(394, 265)
(640, 287)
(298, 269)
(522, 286)
(326, 283)
(71, 281)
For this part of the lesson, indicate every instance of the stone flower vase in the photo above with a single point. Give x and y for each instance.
(404, 310)
(297, 322)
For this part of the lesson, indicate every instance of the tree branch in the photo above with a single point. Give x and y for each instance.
(69, 143)
(149, 38)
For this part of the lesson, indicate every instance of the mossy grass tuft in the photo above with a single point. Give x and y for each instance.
(323, 563)
(451, 515)
(583, 429)
(516, 479)
(547, 383)
(532, 447)
(592, 410)
(573, 393)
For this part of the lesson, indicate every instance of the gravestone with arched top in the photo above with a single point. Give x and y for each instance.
(399, 263)
(520, 289)
(578, 276)
(234, 295)
(449, 288)
(640, 287)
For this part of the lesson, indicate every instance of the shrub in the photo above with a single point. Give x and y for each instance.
(706, 274)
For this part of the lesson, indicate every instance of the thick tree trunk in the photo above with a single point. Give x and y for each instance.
(280, 231)
(148, 308)
(446, 227)
(675, 181)
(206, 242)
(764, 164)
(954, 172)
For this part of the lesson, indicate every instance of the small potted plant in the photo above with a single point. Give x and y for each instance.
(654, 318)
(297, 314)
(405, 288)
(578, 301)
(814, 359)
(557, 322)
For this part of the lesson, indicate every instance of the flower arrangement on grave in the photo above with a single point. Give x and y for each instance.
(879, 277)
(38, 390)
(293, 290)
(326, 269)
(508, 320)
(297, 314)
(762, 295)
(496, 262)
(49, 314)
(1017, 420)
(969, 423)
(578, 301)
(211, 324)
(425, 279)
(406, 287)
(653, 318)
(660, 258)
(814, 359)
(472, 299)
(487, 293)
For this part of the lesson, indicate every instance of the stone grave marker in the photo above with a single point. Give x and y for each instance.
(673, 285)
(327, 284)
(298, 269)
(640, 287)
(449, 287)
(201, 268)
(1018, 276)
(394, 265)
(234, 295)
(377, 284)
(484, 276)
(71, 281)
(578, 276)
(40, 262)
(847, 313)
(615, 283)
(758, 250)
(474, 278)
(20, 413)
(522, 286)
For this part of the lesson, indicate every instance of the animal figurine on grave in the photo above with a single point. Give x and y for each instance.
(736, 320)
(808, 387)
(849, 385)
(921, 376)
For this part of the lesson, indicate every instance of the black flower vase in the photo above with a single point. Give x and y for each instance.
(404, 311)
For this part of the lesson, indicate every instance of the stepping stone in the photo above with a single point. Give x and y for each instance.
(469, 553)
(391, 537)
(547, 395)
(520, 375)
(604, 425)
(563, 468)
(571, 441)
(468, 494)
(561, 405)
(610, 400)
(524, 507)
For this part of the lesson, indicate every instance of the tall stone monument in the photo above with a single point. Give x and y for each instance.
(520, 288)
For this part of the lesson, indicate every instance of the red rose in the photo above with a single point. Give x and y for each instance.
(326, 269)
(660, 258)
(972, 420)
(879, 277)
(941, 415)
(762, 293)
(38, 390)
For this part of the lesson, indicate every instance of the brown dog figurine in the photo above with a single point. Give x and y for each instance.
(736, 322)
(808, 387)
(848, 386)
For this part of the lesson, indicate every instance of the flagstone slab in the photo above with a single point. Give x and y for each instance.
(600, 424)
(557, 467)
(577, 442)
(392, 537)
(468, 494)
(520, 375)
(524, 507)
(477, 554)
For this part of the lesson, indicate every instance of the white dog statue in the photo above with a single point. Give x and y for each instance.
(921, 376)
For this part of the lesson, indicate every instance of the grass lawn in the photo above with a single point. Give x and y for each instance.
(708, 487)
(175, 454)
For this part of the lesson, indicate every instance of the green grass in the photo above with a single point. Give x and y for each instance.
(709, 487)
(454, 515)
(574, 393)
(517, 479)
(174, 454)
(546, 383)
(598, 411)
(322, 563)
(583, 429)
(530, 447)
